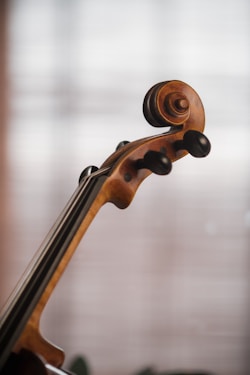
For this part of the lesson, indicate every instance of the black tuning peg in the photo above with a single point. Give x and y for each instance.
(157, 162)
(121, 144)
(195, 143)
(87, 172)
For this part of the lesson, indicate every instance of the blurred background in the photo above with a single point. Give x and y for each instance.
(164, 283)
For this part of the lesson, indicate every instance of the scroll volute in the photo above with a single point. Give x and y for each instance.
(172, 104)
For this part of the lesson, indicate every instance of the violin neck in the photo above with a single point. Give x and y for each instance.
(32, 285)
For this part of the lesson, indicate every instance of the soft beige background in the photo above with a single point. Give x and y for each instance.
(164, 283)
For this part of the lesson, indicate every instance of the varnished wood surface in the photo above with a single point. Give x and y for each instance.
(164, 282)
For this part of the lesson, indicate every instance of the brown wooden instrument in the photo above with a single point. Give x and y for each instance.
(171, 104)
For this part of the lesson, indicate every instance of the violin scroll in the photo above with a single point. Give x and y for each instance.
(172, 104)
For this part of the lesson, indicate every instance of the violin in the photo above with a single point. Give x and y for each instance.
(171, 104)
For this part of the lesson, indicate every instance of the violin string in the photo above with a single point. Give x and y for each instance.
(42, 250)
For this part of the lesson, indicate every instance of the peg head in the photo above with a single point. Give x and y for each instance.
(156, 161)
(195, 142)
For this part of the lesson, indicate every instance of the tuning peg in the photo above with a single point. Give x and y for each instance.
(87, 172)
(195, 143)
(121, 144)
(157, 162)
